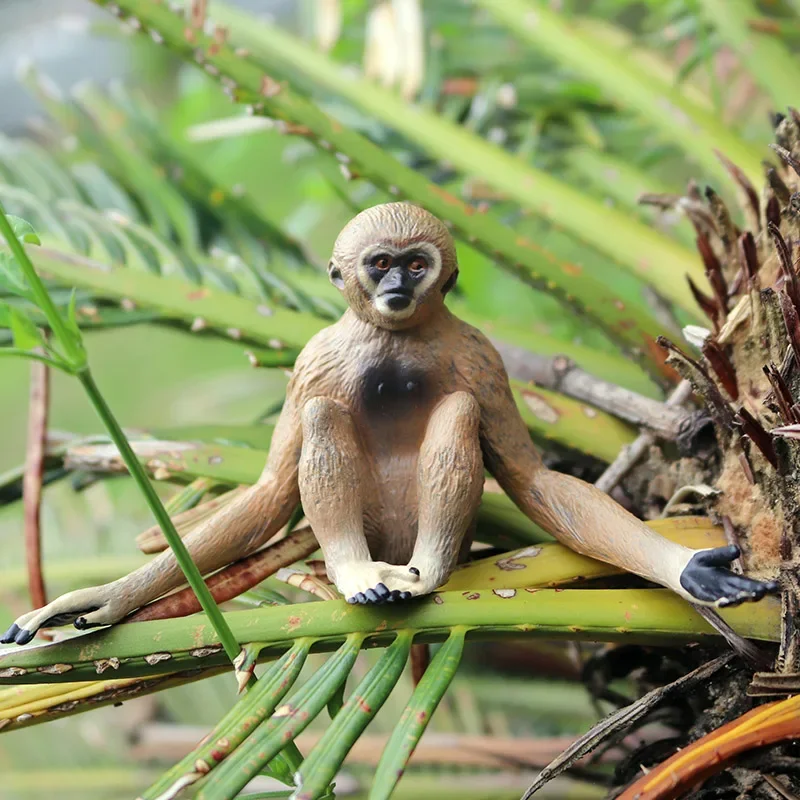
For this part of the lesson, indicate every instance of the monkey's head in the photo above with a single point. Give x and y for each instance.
(394, 263)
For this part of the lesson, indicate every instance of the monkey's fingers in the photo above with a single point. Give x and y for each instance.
(707, 581)
(85, 608)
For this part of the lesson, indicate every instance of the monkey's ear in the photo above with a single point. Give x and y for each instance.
(335, 275)
(451, 282)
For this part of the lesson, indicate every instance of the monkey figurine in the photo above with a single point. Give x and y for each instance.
(392, 415)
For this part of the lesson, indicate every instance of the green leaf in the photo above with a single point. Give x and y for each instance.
(263, 744)
(26, 335)
(12, 279)
(417, 715)
(697, 130)
(23, 230)
(321, 765)
(771, 63)
(250, 711)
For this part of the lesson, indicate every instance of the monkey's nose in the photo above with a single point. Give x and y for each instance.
(397, 301)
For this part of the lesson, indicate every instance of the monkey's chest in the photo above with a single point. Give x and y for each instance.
(394, 392)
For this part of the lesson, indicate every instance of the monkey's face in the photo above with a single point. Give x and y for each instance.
(394, 263)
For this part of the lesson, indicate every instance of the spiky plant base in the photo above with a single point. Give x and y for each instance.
(748, 378)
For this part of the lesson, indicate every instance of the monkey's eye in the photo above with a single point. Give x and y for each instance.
(418, 265)
(382, 263)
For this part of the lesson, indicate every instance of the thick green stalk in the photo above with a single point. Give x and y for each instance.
(633, 615)
(630, 326)
(633, 244)
(767, 58)
(697, 131)
(182, 300)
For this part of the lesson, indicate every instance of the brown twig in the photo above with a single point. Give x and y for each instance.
(630, 455)
(235, 578)
(562, 375)
(420, 658)
(39, 403)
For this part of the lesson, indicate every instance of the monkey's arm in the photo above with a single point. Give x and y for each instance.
(589, 521)
(234, 531)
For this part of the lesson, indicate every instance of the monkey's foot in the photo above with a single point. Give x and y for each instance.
(85, 608)
(707, 581)
(376, 582)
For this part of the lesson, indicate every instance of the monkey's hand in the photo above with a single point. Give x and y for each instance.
(378, 582)
(85, 608)
(706, 580)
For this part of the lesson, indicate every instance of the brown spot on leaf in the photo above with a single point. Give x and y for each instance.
(571, 269)
(364, 705)
(154, 658)
(513, 562)
(471, 595)
(269, 86)
(438, 599)
(202, 652)
(450, 198)
(55, 669)
(12, 672)
(102, 664)
(540, 407)
(198, 294)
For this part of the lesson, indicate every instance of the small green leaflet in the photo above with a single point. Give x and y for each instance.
(23, 230)
(12, 279)
(26, 335)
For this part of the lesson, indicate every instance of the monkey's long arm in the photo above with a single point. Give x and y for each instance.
(589, 521)
(234, 531)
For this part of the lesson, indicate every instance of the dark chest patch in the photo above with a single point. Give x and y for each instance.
(394, 389)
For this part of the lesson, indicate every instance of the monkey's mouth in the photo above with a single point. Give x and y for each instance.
(397, 299)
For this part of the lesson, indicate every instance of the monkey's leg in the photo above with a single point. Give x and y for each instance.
(591, 523)
(450, 488)
(237, 529)
(333, 475)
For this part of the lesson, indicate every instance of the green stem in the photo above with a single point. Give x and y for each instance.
(137, 471)
(75, 355)
(15, 352)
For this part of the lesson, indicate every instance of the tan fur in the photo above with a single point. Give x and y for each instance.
(387, 427)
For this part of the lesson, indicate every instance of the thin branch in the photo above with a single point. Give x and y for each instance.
(623, 718)
(746, 649)
(562, 375)
(630, 455)
(39, 402)
(235, 578)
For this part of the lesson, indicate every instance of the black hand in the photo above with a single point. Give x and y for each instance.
(706, 579)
